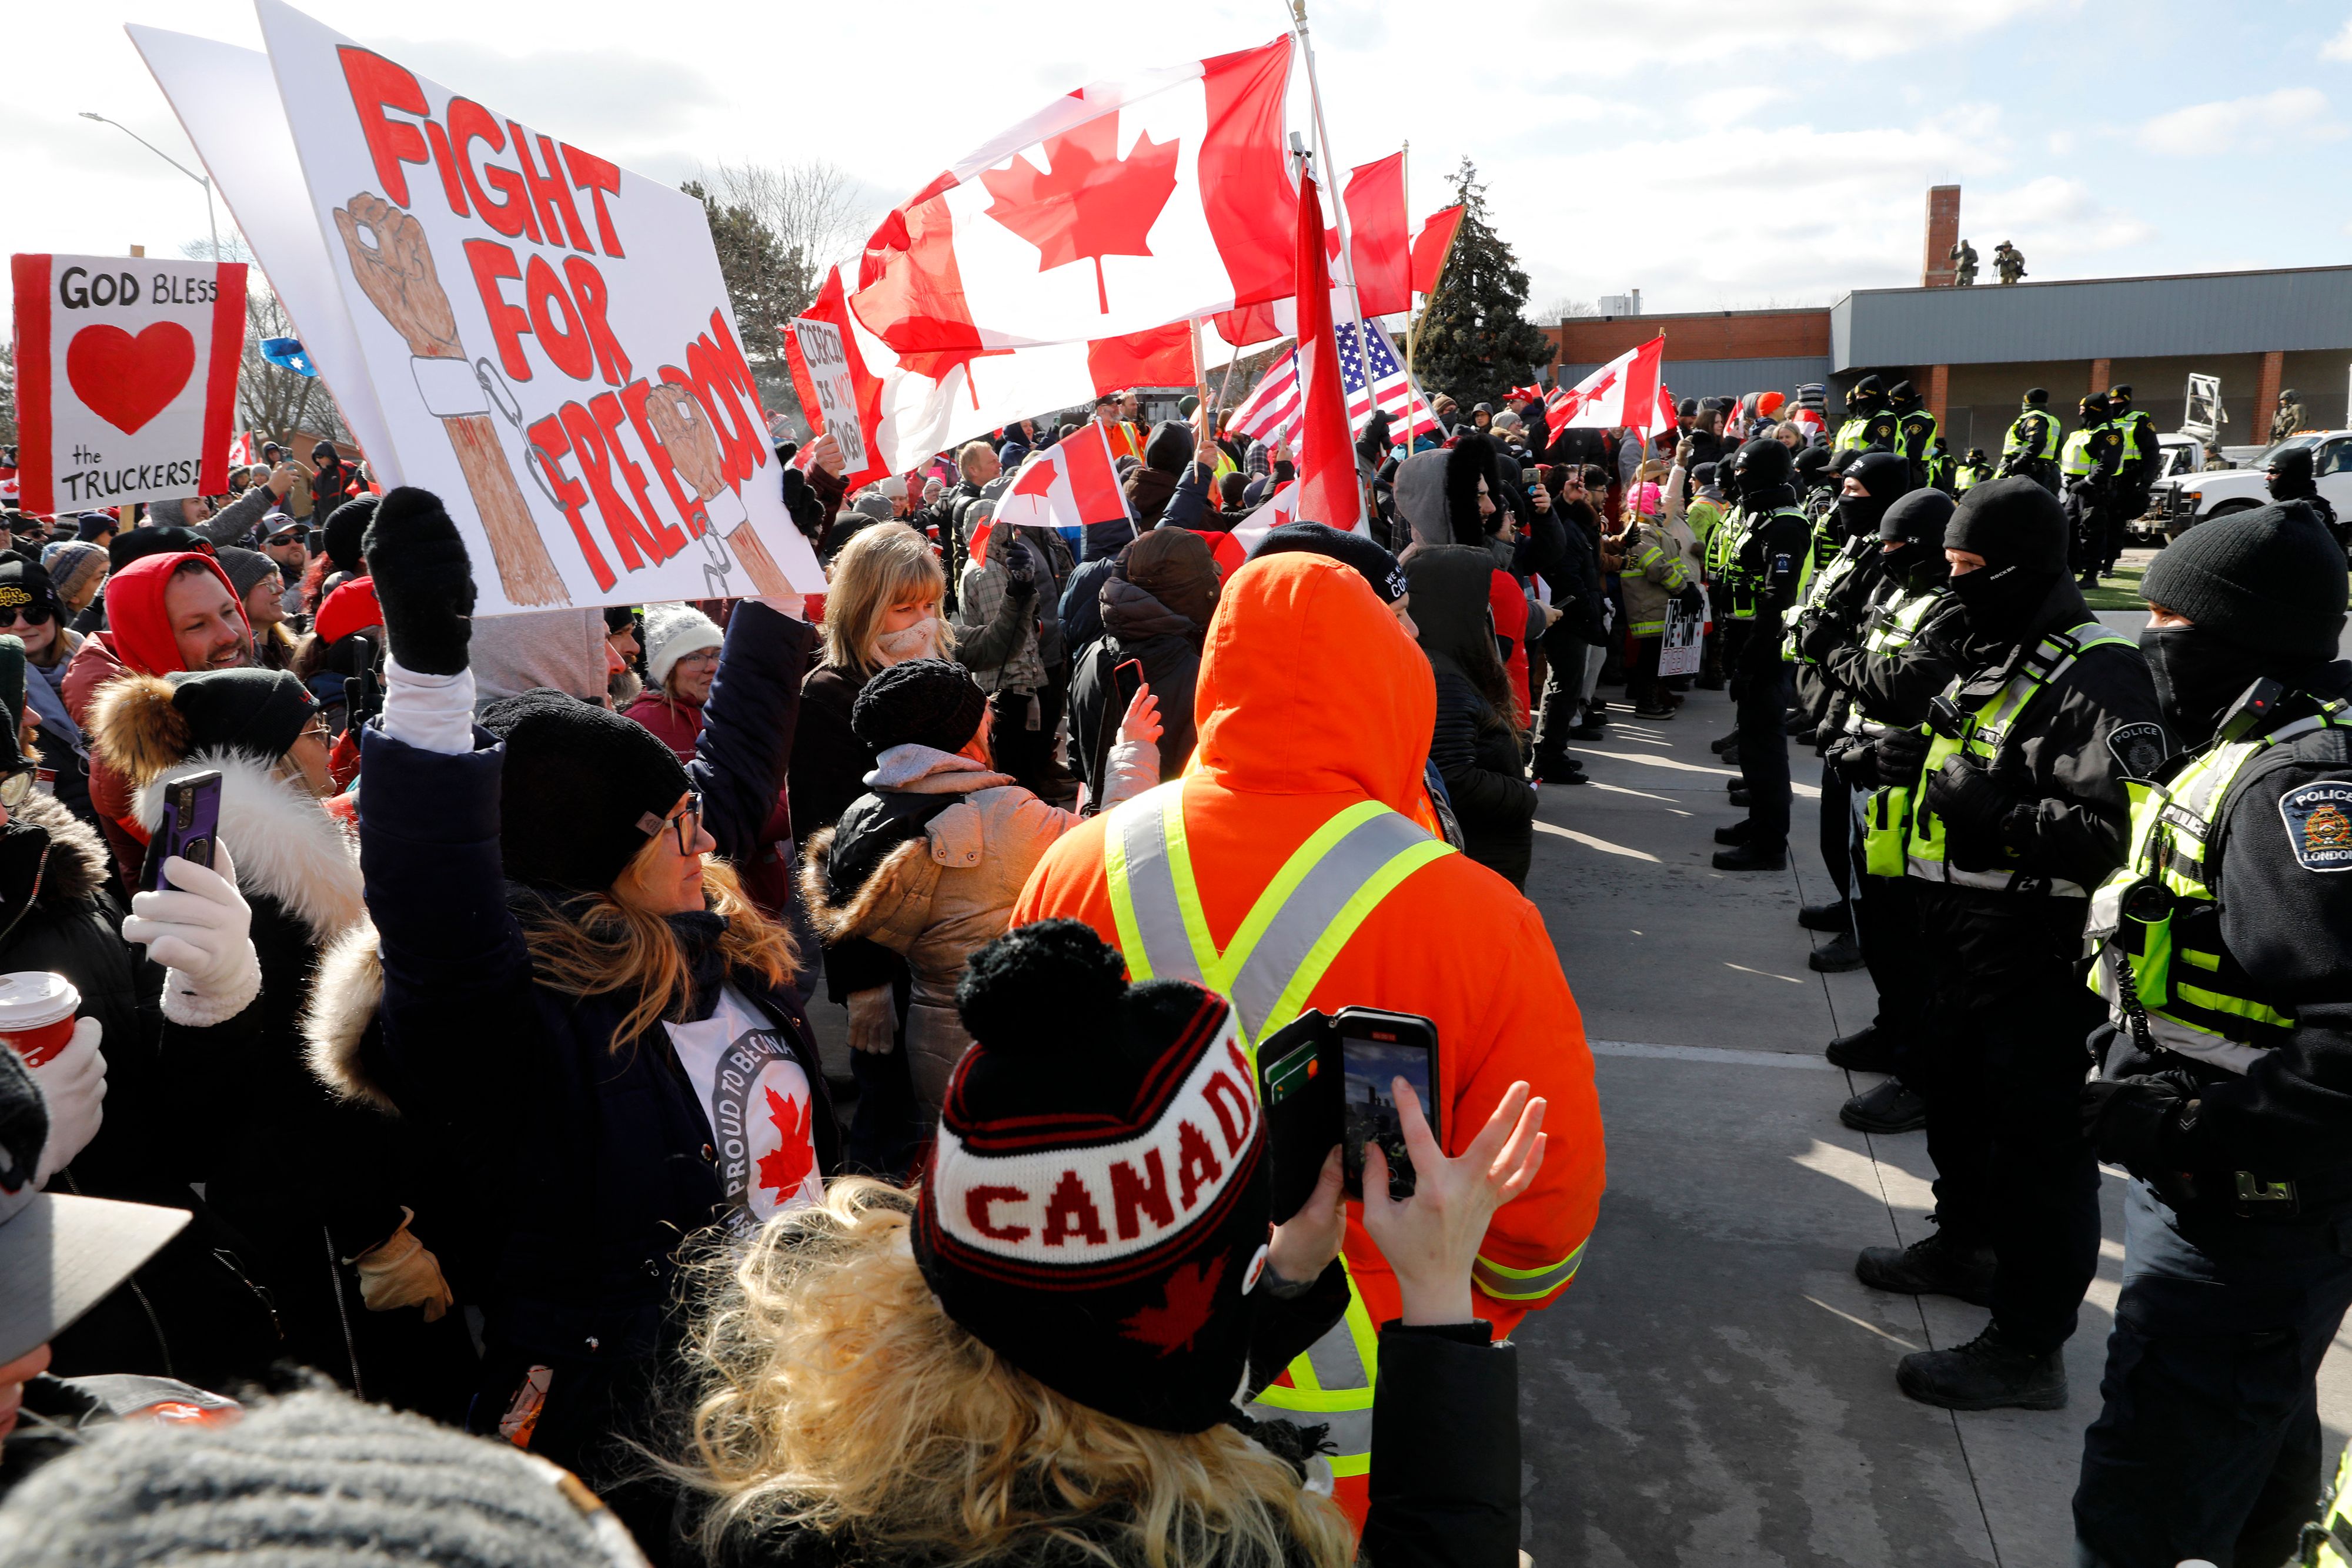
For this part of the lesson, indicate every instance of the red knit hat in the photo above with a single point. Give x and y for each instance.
(136, 623)
(1098, 1200)
(350, 608)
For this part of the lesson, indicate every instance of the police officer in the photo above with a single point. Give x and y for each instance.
(1941, 471)
(2226, 1084)
(2086, 466)
(1974, 469)
(1915, 429)
(1829, 621)
(1867, 421)
(2140, 458)
(1907, 652)
(1774, 563)
(2030, 448)
(2019, 810)
(2289, 478)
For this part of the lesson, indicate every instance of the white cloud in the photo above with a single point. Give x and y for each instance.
(1730, 105)
(2241, 124)
(2339, 48)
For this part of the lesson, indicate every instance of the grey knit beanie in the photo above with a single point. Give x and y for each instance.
(314, 1478)
(2269, 579)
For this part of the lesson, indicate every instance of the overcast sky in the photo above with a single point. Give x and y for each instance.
(1714, 156)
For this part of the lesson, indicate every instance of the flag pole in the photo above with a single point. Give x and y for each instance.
(1339, 206)
(1412, 390)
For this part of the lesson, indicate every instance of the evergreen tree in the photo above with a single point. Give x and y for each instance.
(1472, 343)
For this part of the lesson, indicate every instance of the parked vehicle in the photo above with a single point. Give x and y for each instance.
(2181, 501)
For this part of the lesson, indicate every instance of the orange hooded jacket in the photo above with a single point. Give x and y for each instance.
(1311, 698)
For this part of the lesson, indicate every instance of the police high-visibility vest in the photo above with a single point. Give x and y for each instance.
(1328, 888)
(2031, 433)
(2075, 460)
(1988, 731)
(2331, 1538)
(1825, 581)
(1970, 476)
(1855, 433)
(2168, 977)
(1723, 545)
(1886, 817)
(2138, 430)
(1746, 582)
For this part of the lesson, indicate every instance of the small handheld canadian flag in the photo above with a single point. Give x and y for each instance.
(1066, 486)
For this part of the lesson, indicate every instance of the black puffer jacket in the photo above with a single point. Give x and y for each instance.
(1136, 626)
(828, 769)
(1474, 747)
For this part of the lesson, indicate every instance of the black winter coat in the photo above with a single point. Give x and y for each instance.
(828, 769)
(1136, 626)
(589, 1162)
(1484, 779)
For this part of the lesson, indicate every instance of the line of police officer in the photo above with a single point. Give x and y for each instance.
(2072, 851)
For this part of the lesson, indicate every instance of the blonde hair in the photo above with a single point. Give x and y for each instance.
(837, 1396)
(881, 565)
(602, 942)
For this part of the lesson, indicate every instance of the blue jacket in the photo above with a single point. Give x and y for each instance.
(587, 1164)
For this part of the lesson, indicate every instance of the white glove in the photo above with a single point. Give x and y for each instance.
(399, 1272)
(73, 1086)
(202, 938)
(872, 1021)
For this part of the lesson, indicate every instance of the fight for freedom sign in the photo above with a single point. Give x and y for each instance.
(532, 332)
(126, 378)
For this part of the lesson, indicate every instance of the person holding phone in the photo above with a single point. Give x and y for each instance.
(1156, 605)
(568, 988)
(919, 1363)
(927, 862)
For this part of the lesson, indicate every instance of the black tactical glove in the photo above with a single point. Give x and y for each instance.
(2130, 1121)
(422, 581)
(1856, 761)
(1900, 757)
(1823, 635)
(1963, 792)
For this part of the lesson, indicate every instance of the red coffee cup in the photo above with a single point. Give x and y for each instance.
(37, 1014)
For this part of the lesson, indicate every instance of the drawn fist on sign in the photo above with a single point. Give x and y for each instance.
(677, 418)
(395, 267)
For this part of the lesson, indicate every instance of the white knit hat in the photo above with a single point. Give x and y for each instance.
(672, 632)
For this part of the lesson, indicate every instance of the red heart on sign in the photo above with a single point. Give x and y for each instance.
(127, 381)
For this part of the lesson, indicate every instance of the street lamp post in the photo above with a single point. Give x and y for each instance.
(211, 227)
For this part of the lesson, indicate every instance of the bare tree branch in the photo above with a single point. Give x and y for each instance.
(272, 401)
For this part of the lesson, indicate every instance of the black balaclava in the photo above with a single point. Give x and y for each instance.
(2119, 400)
(1913, 532)
(1902, 398)
(2094, 408)
(1868, 396)
(2290, 475)
(2265, 591)
(2038, 397)
(1882, 476)
(1813, 469)
(1763, 469)
(2020, 531)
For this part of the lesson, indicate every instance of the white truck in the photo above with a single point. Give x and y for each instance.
(2182, 500)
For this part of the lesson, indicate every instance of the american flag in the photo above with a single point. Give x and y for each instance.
(1273, 410)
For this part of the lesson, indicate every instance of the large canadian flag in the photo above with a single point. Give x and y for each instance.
(1119, 207)
(1624, 391)
(1067, 485)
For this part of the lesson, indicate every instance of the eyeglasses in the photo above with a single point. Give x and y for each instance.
(318, 730)
(688, 821)
(29, 615)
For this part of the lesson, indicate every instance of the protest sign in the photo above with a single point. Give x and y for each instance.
(1686, 621)
(126, 378)
(820, 367)
(514, 307)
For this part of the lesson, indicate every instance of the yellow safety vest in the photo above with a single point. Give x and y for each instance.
(2168, 977)
(1840, 566)
(1886, 815)
(2328, 1544)
(1989, 729)
(2019, 438)
(2075, 460)
(1855, 433)
(1328, 887)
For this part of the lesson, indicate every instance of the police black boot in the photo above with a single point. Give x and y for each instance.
(1560, 770)
(1736, 833)
(1888, 1108)
(1988, 1373)
(1724, 745)
(1838, 956)
(1935, 1266)
(1738, 794)
(1866, 1050)
(1752, 856)
(1835, 915)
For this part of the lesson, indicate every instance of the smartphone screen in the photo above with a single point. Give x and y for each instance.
(1129, 678)
(1375, 1049)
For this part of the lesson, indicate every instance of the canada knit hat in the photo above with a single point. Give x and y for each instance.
(1376, 566)
(1097, 1199)
(921, 702)
(313, 1477)
(2269, 579)
(581, 792)
(672, 632)
(2010, 522)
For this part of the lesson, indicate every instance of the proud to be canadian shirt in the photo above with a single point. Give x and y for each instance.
(757, 1101)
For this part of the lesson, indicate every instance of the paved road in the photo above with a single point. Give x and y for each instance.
(1719, 1389)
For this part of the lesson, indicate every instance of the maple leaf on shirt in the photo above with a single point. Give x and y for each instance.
(782, 1171)
(1183, 1312)
(1093, 203)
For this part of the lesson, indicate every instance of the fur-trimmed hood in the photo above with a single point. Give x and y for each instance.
(344, 1000)
(285, 846)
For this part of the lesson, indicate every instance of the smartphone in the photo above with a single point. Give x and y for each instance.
(1125, 680)
(190, 827)
(1377, 1048)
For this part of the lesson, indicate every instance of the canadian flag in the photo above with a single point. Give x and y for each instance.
(1119, 207)
(1328, 490)
(1626, 391)
(1067, 485)
(242, 452)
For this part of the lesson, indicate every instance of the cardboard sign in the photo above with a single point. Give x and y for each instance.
(1685, 620)
(538, 336)
(820, 370)
(126, 378)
